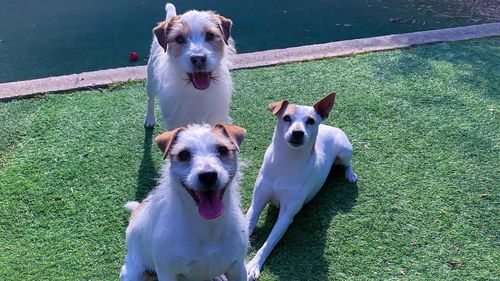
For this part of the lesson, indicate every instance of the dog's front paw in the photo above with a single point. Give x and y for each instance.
(220, 278)
(253, 270)
(350, 176)
(149, 122)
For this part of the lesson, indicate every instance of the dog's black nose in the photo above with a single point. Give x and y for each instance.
(207, 178)
(297, 135)
(198, 61)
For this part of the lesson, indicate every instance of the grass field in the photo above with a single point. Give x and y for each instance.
(426, 135)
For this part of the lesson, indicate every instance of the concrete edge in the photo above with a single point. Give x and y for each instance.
(103, 78)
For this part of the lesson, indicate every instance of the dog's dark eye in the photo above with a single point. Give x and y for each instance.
(287, 118)
(184, 156)
(310, 121)
(180, 39)
(209, 36)
(222, 150)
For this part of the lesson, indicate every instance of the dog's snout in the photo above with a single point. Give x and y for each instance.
(208, 178)
(198, 60)
(297, 134)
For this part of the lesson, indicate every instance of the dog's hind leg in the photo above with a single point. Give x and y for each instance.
(285, 218)
(344, 158)
(151, 89)
(237, 272)
(131, 270)
(166, 276)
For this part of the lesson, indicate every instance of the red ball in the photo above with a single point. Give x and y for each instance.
(133, 56)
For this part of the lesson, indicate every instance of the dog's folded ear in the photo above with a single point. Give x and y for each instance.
(276, 107)
(234, 133)
(225, 26)
(325, 105)
(167, 139)
(162, 30)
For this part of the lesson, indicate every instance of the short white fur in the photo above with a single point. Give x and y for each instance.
(292, 174)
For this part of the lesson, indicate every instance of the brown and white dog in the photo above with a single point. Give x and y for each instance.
(295, 167)
(188, 69)
(191, 226)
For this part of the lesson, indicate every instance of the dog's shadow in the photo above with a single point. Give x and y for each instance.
(299, 255)
(147, 176)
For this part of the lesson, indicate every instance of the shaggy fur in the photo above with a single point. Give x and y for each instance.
(188, 69)
(191, 226)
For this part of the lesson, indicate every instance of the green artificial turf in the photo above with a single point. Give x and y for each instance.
(426, 135)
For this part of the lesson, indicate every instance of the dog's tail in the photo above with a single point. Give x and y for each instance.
(131, 205)
(170, 9)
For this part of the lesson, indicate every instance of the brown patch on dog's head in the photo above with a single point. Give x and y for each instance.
(179, 30)
(225, 26)
(218, 32)
(289, 110)
(167, 31)
(235, 134)
(277, 107)
(166, 140)
(214, 37)
(325, 105)
(164, 29)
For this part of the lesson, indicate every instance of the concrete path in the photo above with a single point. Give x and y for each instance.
(102, 78)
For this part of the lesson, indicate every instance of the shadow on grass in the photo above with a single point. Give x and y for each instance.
(300, 254)
(146, 179)
(471, 61)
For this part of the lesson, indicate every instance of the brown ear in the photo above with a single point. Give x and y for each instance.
(161, 31)
(166, 140)
(225, 26)
(276, 107)
(325, 105)
(234, 133)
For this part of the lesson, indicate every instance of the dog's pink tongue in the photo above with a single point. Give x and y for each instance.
(210, 206)
(201, 80)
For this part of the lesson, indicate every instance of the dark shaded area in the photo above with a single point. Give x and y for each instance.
(471, 10)
(473, 61)
(147, 178)
(52, 37)
(471, 74)
(336, 196)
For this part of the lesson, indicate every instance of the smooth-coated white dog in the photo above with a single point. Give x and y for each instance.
(191, 226)
(295, 167)
(188, 69)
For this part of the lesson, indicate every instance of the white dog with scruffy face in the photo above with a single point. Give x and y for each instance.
(295, 167)
(188, 69)
(191, 226)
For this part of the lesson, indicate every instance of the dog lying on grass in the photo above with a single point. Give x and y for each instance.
(191, 227)
(295, 167)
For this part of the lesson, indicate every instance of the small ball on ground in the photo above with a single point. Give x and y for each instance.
(133, 56)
